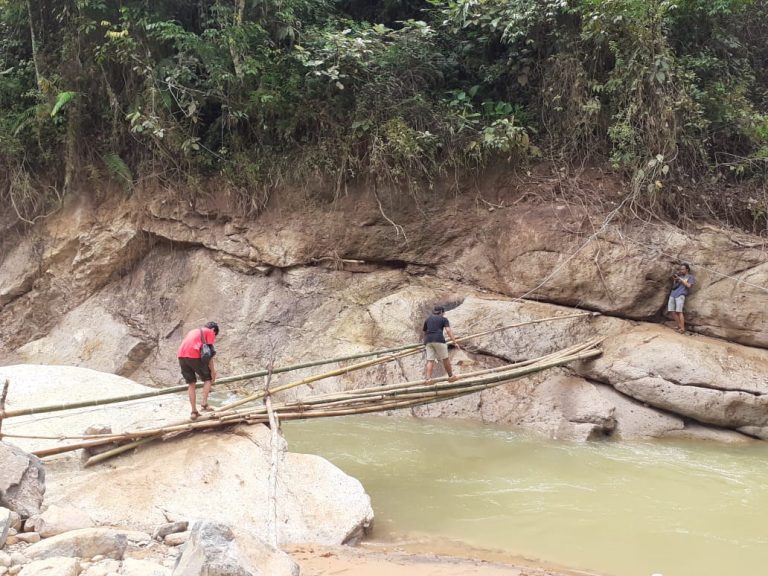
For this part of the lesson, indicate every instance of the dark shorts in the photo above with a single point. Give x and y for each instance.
(193, 367)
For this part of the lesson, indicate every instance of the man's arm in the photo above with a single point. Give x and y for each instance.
(686, 281)
(450, 333)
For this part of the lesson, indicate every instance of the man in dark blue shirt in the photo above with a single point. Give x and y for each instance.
(682, 282)
(435, 344)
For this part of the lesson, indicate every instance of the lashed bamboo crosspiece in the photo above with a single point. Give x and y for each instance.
(359, 401)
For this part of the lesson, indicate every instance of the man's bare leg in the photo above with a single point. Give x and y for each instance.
(448, 370)
(430, 365)
(206, 390)
(192, 398)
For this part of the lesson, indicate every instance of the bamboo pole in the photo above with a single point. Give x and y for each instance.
(413, 395)
(274, 428)
(307, 404)
(259, 373)
(322, 398)
(412, 350)
(3, 396)
(261, 394)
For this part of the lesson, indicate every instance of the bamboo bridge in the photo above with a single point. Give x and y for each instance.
(366, 400)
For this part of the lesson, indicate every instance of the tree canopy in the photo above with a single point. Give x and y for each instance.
(260, 93)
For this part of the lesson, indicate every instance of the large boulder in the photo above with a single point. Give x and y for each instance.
(22, 480)
(204, 476)
(41, 385)
(603, 397)
(65, 261)
(213, 550)
(697, 378)
(221, 476)
(89, 336)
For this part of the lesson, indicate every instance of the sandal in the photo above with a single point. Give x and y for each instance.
(206, 408)
(194, 415)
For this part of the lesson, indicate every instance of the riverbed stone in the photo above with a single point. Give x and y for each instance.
(22, 480)
(18, 558)
(56, 566)
(699, 433)
(136, 567)
(83, 543)
(171, 528)
(105, 567)
(16, 521)
(28, 537)
(214, 550)
(5, 524)
(59, 519)
(634, 420)
(176, 539)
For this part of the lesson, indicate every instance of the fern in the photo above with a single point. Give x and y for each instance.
(23, 119)
(119, 169)
(62, 100)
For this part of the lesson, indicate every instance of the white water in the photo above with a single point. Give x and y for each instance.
(618, 509)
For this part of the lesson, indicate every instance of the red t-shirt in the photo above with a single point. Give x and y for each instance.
(190, 346)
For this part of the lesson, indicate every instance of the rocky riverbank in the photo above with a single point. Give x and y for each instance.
(188, 507)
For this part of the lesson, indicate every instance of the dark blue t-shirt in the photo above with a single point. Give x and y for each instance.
(433, 328)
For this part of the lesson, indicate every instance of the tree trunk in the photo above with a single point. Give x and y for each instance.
(35, 51)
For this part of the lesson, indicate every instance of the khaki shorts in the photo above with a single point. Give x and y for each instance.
(436, 351)
(675, 304)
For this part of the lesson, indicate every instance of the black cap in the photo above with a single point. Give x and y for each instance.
(213, 326)
(438, 310)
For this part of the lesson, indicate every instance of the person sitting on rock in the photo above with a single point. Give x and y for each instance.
(192, 364)
(436, 347)
(682, 282)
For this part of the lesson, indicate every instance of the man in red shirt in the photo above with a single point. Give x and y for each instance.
(192, 365)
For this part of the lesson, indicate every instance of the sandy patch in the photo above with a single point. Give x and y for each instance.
(376, 560)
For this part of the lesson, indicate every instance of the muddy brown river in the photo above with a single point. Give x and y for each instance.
(614, 508)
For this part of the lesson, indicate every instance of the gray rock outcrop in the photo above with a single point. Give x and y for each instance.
(213, 550)
(22, 481)
(692, 377)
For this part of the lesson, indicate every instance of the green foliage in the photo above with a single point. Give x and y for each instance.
(119, 169)
(278, 92)
(62, 100)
